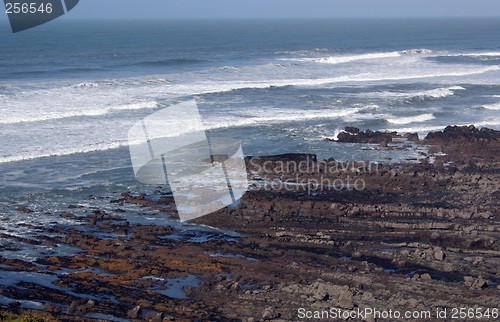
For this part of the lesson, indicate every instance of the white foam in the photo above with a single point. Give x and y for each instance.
(51, 116)
(301, 52)
(427, 75)
(60, 103)
(439, 92)
(417, 129)
(427, 129)
(495, 106)
(363, 77)
(494, 124)
(433, 93)
(83, 85)
(380, 55)
(279, 116)
(156, 81)
(262, 117)
(346, 59)
(411, 119)
(64, 152)
(136, 106)
(492, 54)
(230, 68)
(421, 51)
(77, 113)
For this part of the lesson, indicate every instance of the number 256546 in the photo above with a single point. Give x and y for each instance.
(28, 8)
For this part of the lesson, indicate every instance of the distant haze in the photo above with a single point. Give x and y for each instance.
(284, 8)
(240, 9)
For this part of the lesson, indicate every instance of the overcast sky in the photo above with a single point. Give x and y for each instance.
(237, 9)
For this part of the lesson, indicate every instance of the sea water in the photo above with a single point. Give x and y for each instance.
(70, 91)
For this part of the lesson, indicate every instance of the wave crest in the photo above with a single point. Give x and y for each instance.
(350, 58)
(438, 92)
(346, 59)
(411, 119)
(84, 85)
(495, 106)
(90, 112)
(416, 51)
(64, 152)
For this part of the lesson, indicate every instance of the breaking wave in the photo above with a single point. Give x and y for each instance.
(90, 112)
(346, 59)
(411, 119)
(64, 152)
(495, 106)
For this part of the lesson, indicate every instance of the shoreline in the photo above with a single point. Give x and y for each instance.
(417, 236)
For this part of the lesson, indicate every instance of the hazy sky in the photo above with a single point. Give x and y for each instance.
(196, 9)
(283, 8)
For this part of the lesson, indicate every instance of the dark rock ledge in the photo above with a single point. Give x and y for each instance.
(418, 236)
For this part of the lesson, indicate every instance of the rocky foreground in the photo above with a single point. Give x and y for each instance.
(338, 236)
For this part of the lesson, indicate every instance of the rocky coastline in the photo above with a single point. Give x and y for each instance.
(312, 234)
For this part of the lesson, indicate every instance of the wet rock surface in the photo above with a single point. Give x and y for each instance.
(354, 135)
(463, 135)
(347, 235)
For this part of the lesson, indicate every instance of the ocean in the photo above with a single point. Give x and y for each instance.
(71, 90)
